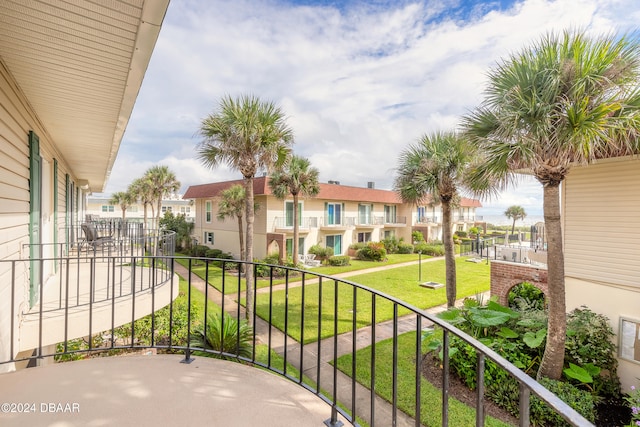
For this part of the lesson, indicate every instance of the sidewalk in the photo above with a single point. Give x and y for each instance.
(344, 342)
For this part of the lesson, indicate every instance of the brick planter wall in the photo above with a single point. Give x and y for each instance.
(505, 275)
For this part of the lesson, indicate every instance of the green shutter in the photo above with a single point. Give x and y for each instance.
(35, 221)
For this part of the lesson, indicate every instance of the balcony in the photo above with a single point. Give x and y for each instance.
(426, 220)
(91, 289)
(282, 225)
(395, 221)
(308, 335)
(337, 222)
(369, 222)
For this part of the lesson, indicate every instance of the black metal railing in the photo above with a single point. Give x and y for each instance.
(308, 317)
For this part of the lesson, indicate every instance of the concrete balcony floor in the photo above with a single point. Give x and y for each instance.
(156, 390)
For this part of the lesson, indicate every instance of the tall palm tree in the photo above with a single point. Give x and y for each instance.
(297, 179)
(140, 189)
(436, 166)
(123, 198)
(162, 182)
(232, 205)
(566, 99)
(515, 213)
(248, 135)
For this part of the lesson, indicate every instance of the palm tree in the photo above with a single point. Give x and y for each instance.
(515, 213)
(232, 205)
(436, 166)
(298, 179)
(567, 99)
(248, 135)
(140, 189)
(162, 182)
(123, 198)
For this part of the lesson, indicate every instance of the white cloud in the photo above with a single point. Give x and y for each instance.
(358, 82)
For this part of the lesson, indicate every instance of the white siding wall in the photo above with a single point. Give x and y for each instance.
(601, 206)
(601, 211)
(16, 120)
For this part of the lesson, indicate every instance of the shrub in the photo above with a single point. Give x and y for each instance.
(321, 252)
(213, 253)
(633, 399)
(224, 334)
(339, 260)
(179, 317)
(581, 401)
(374, 251)
(199, 250)
(357, 246)
(429, 249)
(417, 237)
(405, 248)
(525, 296)
(391, 245)
(589, 340)
(460, 233)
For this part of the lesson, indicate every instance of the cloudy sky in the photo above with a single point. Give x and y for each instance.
(358, 80)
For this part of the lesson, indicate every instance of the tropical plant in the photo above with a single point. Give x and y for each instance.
(178, 224)
(567, 99)
(247, 134)
(124, 199)
(162, 182)
(224, 334)
(515, 213)
(140, 189)
(232, 205)
(436, 167)
(298, 179)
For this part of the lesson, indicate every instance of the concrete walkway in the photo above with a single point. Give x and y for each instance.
(308, 362)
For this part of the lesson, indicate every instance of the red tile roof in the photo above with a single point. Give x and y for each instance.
(327, 192)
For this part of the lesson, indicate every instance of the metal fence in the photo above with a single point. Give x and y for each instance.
(305, 316)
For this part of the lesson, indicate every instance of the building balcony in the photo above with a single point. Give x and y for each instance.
(427, 220)
(337, 223)
(284, 225)
(93, 288)
(395, 221)
(156, 386)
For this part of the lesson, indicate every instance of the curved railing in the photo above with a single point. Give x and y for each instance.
(308, 317)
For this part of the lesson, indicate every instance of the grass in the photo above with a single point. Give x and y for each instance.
(401, 283)
(232, 281)
(430, 397)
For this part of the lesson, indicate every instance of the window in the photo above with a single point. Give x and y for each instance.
(289, 244)
(166, 209)
(364, 237)
(421, 214)
(334, 242)
(107, 208)
(288, 213)
(334, 214)
(364, 214)
(388, 234)
(208, 237)
(390, 214)
(185, 209)
(207, 211)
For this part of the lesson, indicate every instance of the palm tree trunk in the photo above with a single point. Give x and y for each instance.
(513, 226)
(553, 358)
(248, 188)
(242, 249)
(449, 254)
(296, 230)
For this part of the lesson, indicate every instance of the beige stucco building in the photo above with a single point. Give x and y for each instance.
(70, 73)
(339, 216)
(600, 205)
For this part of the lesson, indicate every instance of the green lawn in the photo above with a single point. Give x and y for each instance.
(431, 397)
(231, 281)
(401, 282)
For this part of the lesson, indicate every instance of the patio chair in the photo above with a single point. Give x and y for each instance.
(92, 239)
(309, 260)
